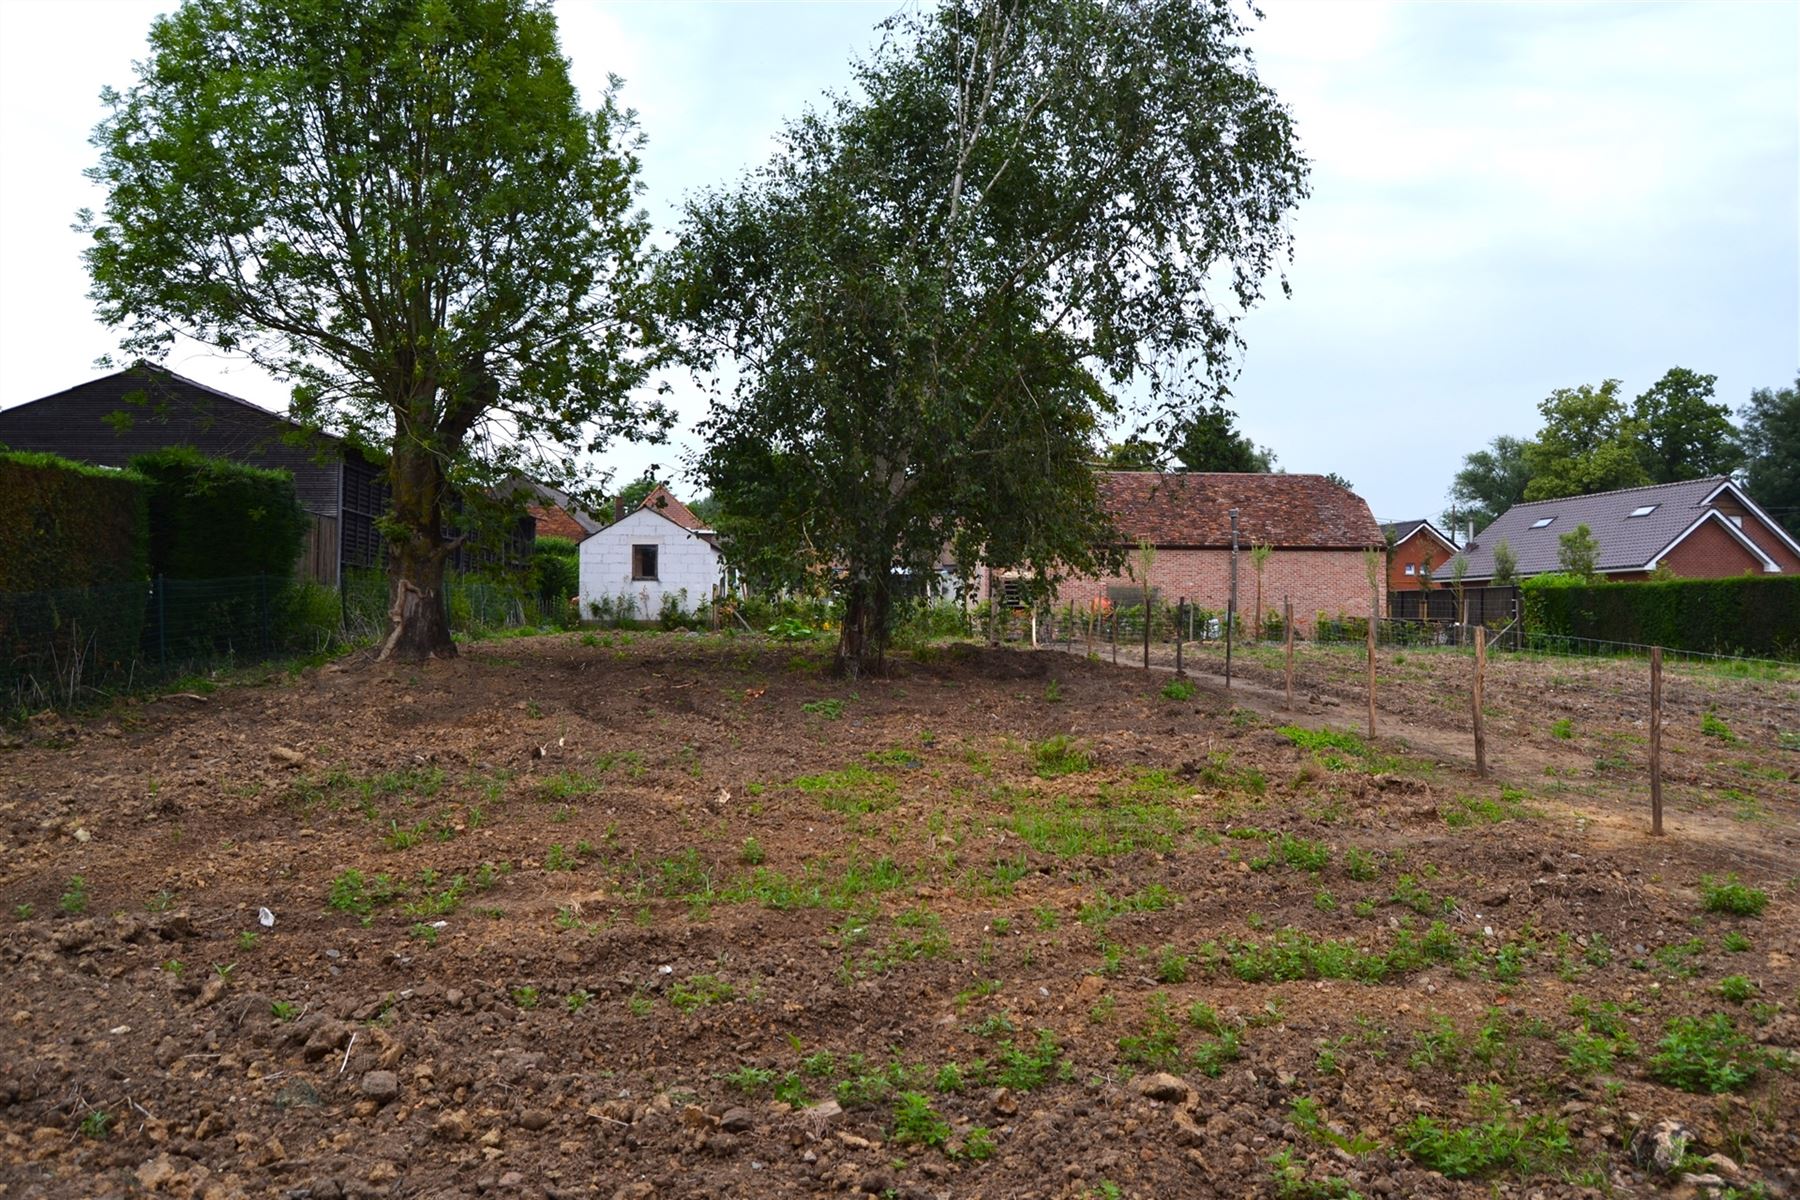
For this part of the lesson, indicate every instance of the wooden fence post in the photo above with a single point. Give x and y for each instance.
(1287, 626)
(1180, 616)
(1480, 680)
(1115, 635)
(1373, 617)
(1656, 827)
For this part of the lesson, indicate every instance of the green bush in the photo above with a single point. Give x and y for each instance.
(215, 519)
(1746, 614)
(556, 576)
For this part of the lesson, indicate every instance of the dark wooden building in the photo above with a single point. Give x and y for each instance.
(110, 420)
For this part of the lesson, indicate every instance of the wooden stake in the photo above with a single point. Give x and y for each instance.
(1373, 617)
(1180, 616)
(1115, 636)
(1480, 680)
(1287, 625)
(1656, 828)
(1146, 627)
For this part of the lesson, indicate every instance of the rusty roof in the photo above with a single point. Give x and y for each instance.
(661, 500)
(1193, 509)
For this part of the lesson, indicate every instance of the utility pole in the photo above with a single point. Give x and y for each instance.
(1231, 602)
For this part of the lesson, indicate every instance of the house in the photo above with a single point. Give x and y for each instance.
(1417, 551)
(660, 551)
(110, 420)
(1698, 529)
(1317, 530)
(555, 511)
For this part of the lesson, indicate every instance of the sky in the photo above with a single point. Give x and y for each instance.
(1506, 199)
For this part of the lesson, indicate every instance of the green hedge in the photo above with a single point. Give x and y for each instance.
(81, 531)
(215, 519)
(67, 525)
(1756, 615)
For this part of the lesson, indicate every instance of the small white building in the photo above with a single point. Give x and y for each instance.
(659, 549)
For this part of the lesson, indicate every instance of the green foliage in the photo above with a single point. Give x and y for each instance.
(212, 519)
(1737, 988)
(556, 576)
(1681, 432)
(1058, 755)
(698, 991)
(1179, 690)
(1506, 564)
(1772, 442)
(1578, 553)
(508, 276)
(1713, 726)
(1497, 1140)
(1745, 614)
(959, 248)
(74, 899)
(1209, 440)
(1705, 1055)
(1726, 895)
(1588, 443)
(1491, 481)
(916, 1123)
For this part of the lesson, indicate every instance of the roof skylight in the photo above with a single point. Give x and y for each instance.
(1645, 510)
(1541, 522)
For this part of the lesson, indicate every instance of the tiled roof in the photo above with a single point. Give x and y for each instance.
(1399, 531)
(661, 500)
(1626, 542)
(1194, 509)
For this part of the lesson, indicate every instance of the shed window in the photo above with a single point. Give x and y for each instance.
(1645, 510)
(1541, 522)
(643, 562)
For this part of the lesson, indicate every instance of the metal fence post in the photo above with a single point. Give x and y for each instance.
(162, 622)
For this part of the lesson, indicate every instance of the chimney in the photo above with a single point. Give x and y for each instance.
(618, 509)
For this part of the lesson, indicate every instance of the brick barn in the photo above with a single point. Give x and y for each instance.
(1317, 530)
(1697, 529)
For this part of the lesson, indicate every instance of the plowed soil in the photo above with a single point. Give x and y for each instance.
(680, 916)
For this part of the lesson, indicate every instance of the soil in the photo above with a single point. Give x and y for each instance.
(679, 916)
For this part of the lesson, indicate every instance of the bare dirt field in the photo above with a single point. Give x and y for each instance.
(677, 916)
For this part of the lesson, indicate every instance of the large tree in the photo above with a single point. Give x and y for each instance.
(1490, 482)
(934, 289)
(1588, 443)
(401, 207)
(1772, 438)
(1208, 440)
(1682, 433)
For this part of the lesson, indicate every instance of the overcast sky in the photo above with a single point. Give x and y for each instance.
(1506, 199)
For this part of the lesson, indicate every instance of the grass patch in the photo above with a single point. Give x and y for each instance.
(1057, 756)
(855, 790)
(1486, 810)
(1179, 690)
(1726, 895)
(1706, 1055)
(1497, 1140)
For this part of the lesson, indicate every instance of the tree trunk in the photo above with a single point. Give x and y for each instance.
(418, 618)
(862, 645)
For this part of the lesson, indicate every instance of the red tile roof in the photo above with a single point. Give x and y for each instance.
(1193, 509)
(661, 500)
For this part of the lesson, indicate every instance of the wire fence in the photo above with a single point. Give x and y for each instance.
(63, 647)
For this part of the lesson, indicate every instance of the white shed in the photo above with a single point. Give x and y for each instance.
(660, 549)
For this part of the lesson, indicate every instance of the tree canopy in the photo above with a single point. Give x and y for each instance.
(402, 208)
(935, 289)
(1491, 481)
(1681, 432)
(1772, 440)
(1209, 440)
(1588, 443)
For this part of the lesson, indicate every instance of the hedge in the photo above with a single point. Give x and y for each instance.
(67, 525)
(215, 519)
(1757, 615)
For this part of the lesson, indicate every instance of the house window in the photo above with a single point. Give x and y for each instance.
(643, 562)
(1541, 522)
(1412, 568)
(1645, 510)
(1738, 521)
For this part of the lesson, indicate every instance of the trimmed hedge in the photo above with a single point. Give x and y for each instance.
(215, 519)
(67, 525)
(79, 530)
(1756, 615)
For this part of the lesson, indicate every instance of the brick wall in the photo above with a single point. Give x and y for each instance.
(1413, 552)
(1329, 581)
(684, 563)
(1756, 531)
(1711, 553)
(554, 522)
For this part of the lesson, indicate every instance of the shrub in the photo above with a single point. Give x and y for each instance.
(1746, 614)
(1727, 895)
(215, 519)
(1706, 1055)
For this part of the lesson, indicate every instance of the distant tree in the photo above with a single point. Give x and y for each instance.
(1772, 438)
(932, 292)
(402, 208)
(1135, 453)
(1459, 571)
(1588, 443)
(1577, 553)
(1506, 564)
(1492, 480)
(632, 494)
(1209, 440)
(1682, 433)
(1334, 477)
